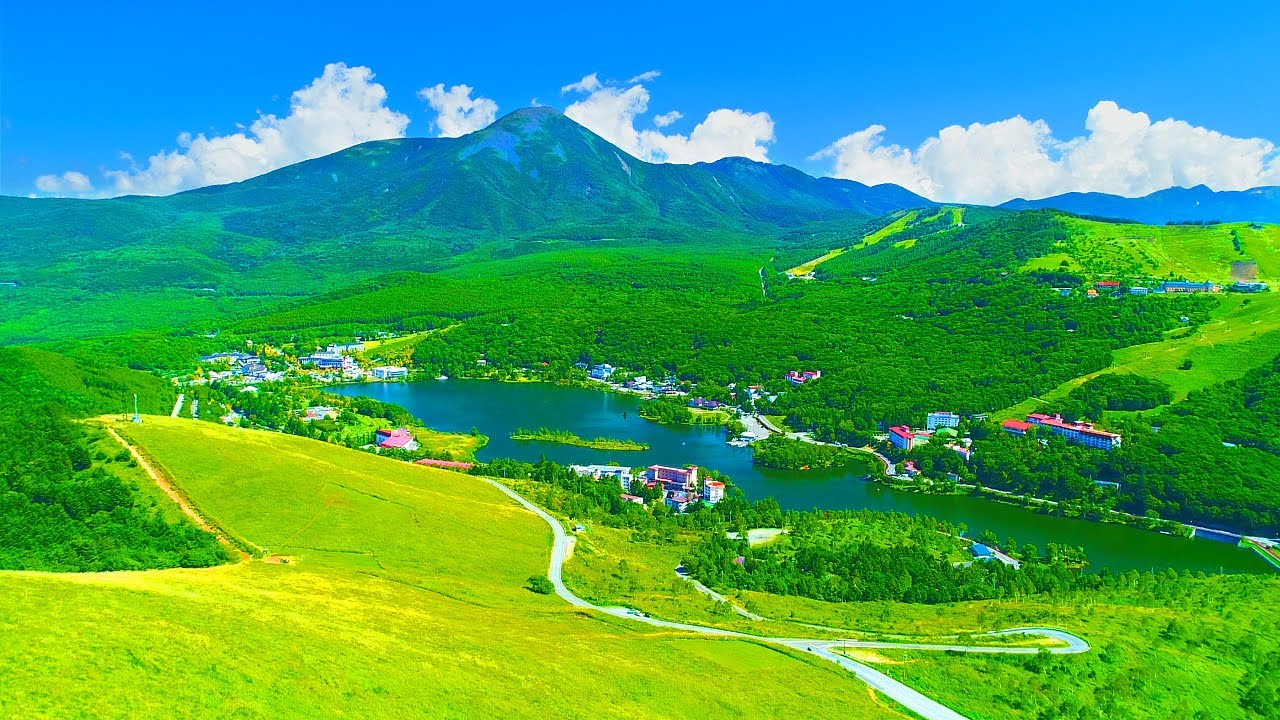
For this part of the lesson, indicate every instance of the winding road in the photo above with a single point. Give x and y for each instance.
(902, 694)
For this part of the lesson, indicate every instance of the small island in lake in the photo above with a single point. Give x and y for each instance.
(564, 437)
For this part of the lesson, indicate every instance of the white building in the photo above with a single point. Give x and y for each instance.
(390, 372)
(941, 418)
(712, 491)
(617, 472)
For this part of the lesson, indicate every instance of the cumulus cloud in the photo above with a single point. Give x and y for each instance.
(1123, 153)
(610, 110)
(68, 183)
(457, 112)
(339, 109)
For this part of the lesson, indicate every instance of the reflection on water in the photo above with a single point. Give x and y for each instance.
(498, 409)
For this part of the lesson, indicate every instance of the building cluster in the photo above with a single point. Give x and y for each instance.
(681, 486)
(1117, 289)
(1081, 433)
(242, 367)
(800, 377)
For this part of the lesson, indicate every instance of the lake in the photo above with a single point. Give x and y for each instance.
(498, 409)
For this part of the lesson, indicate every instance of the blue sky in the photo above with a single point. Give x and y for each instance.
(83, 84)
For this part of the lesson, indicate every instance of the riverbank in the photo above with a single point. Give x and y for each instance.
(564, 437)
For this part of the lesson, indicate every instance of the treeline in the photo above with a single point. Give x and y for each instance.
(781, 452)
(64, 505)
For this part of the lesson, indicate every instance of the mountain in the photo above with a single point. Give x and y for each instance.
(414, 202)
(1196, 204)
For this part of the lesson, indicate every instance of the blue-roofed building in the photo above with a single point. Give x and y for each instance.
(981, 552)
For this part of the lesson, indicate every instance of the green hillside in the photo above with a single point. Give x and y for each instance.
(390, 590)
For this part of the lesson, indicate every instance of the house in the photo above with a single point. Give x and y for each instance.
(617, 472)
(398, 439)
(941, 418)
(713, 491)
(1016, 427)
(1077, 432)
(800, 378)
(962, 451)
(603, 371)
(580, 365)
(1182, 286)
(633, 498)
(1064, 291)
(390, 372)
(680, 500)
(904, 437)
(909, 468)
(674, 478)
(705, 404)
(1138, 290)
(446, 464)
(1091, 292)
(1249, 287)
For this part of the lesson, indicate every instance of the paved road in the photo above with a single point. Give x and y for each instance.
(904, 695)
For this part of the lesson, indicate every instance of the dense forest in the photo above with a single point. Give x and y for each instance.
(66, 499)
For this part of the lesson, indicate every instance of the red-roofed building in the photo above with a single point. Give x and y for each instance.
(398, 439)
(1016, 427)
(446, 464)
(1078, 432)
(634, 498)
(904, 437)
(800, 378)
(1107, 284)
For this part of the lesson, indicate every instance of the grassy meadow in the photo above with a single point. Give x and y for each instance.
(1159, 650)
(388, 590)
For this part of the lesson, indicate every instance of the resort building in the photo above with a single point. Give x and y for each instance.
(1107, 285)
(1249, 287)
(603, 371)
(800, 378)
(1139, 290)
(904, 437)
(1182, 286)
(681, 500)
(713, 491)
(618, 473)
(398, 439)
(941, 418)
(1077, 432)
(633, 498)
(390, 372)
(1016, 427)
(674, 478)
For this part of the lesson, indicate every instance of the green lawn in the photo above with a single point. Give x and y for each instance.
(403, 595)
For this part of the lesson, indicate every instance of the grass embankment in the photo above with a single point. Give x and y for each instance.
(806, 268)
(403, 594)
(1160, 649)
(888, 231)
(564, 437)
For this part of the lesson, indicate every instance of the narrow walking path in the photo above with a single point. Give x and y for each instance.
(162, 481)
(907, 697)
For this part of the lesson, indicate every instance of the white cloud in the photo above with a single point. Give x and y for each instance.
(459, 113)
(645, 76)
(68, 183)
(666, 119)
(1123, 153)
(339, 109)
(590, 83)
(611, 110)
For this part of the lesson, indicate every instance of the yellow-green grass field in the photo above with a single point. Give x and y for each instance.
(1136, 252)
(1243, 333)
(810, 266)
(889, 230)
(1158, 652)
(388, 590)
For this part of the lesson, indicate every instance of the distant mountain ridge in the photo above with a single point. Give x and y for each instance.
(1175, 204)
(532, 170)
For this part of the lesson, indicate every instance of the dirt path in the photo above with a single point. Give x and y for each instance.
(165, 483)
